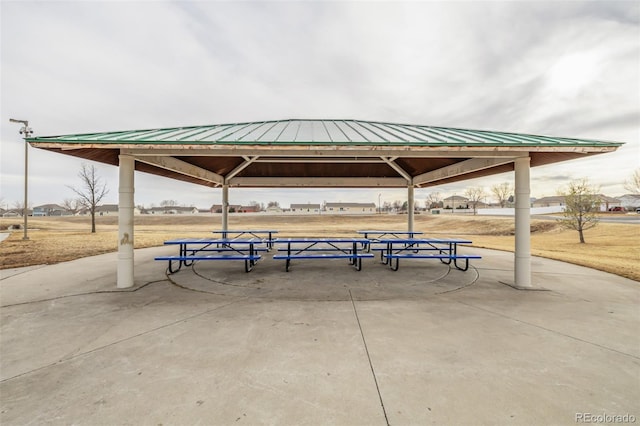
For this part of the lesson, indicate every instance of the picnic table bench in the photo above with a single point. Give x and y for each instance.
(196, 249)
(374, 236)
(322, 248)
(265, 234)
(444, 249)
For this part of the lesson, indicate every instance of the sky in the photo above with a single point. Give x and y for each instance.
(554, 68)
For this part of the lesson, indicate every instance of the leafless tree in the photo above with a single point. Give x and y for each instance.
(475, 195)
(72, 205)
(502, 191)
(273, 204)
(582, 203)
(91, 192)
(633, 185)
(168, 203)
(434, 200)
(18, 207)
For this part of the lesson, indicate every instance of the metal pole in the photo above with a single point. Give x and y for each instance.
(26, 131)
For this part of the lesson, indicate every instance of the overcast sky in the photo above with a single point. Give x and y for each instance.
(557, 68)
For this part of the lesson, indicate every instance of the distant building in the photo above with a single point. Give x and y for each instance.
(559, 201)
(107, 209)
(50, 210)
(172, 210)
(235, 208)
(350, 208)
(455, 201)
(630, 201)
(305, 208)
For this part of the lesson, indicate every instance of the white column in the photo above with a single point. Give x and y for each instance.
(125, 222)
(225, 207)
(522, 267)
(410, 207)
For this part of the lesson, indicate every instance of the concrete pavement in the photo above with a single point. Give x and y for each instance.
(322, 344)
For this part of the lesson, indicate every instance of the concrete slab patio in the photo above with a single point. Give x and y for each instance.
(322, 344)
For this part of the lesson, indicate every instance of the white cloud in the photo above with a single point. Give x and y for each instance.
(566, 69)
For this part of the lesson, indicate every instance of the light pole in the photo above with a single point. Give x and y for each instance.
(26, 131)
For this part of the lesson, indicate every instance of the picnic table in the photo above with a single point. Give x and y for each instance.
(322, 248)
(444, 249)
(197, 249)
(265, 234)
(374, 236)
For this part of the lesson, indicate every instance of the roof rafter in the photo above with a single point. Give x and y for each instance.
(182, 167)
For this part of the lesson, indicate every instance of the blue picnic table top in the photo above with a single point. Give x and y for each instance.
(423, 241)
(230, 241)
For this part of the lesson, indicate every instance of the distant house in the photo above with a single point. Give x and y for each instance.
(554, 201)
(350, 208)
(235, 208)
(559, 201)
(630, 201)
(107, 209)
(274, 209)
(172, 210)
(305, 208)
(12, 213)
(50, 210)
(456, 201)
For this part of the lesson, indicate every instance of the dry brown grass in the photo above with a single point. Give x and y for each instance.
(610, 247)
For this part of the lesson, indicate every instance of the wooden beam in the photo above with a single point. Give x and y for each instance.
(461, 168)
(241, 167)
(397, 168)
(182, 167)
(319, 182)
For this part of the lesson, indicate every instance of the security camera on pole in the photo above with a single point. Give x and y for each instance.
(26, 132)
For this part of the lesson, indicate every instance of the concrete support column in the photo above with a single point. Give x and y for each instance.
(125, 222)
(522, 268)
(410, 207)
(225, 207)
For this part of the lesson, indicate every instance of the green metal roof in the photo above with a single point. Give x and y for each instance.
(320, 132)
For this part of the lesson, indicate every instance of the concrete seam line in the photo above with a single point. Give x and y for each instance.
(85, 294)
(65, 360)
(373, 372)
(551, 331)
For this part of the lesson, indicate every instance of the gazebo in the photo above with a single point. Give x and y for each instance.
(321, 153)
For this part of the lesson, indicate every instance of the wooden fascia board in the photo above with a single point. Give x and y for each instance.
(461, 168)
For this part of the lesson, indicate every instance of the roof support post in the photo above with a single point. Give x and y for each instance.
(522, 267)
(125, 222)
(225, 207)
(410, 207)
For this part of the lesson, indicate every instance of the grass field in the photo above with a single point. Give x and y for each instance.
(610, 247)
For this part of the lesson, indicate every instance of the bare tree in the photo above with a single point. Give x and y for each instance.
(434, 200)
(633, 185)
(502, 191)
(18, 207)
(582, 203)
(72, 205)
(273, 204)
(91, 192)
(168, 203)
(475, 195)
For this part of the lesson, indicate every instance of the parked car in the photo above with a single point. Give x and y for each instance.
(617, 209)
(638, 210)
